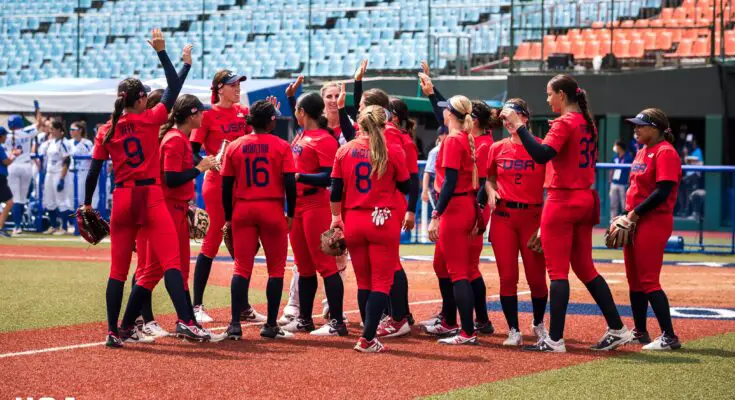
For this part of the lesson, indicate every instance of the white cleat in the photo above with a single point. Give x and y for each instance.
(664, 343)
(298, 325)
(332, 328)
(325, 312)
(250, 315)
(514, 338)
(201, 315)
(437, 319)
(133, 335)
(546, 345)
(539, 330)
(49, 231)
(460, 339)
(612, 339)
(153, 329)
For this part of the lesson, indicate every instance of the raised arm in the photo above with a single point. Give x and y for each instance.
(172, 78)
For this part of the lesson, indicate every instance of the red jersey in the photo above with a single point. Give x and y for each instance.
(395, 136)
(133, 147)
(519, 178)
(657, 163)
(312, 150)
(362, 190)
(575, 143)
(455, 153)
(258, 163)
(482, 147)
(219, 124)
(176, 156)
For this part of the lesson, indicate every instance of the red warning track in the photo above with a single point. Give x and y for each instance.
(32, 365)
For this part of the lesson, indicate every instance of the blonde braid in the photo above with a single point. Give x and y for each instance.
(464, 105)
(372, 121)
(471, 139)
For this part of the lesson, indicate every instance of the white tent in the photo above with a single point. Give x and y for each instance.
(91, 95)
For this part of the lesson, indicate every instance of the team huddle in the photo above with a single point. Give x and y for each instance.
(356, 177)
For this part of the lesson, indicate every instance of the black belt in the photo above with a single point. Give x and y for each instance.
(311, 191)
(139, 182)
(518, 206)
(461, 194)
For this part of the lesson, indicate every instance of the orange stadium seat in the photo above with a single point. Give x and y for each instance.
(684, 50)
(535, 53)
(730, 46)
(628, 23)
(680, 13)
(649, 40)
(522, 51)
(634, 35)
(589, 34)
(666, 14)
(598, 24)
(637, 49)
(641, 23)
(592, 49)
(675, 35)
(621, 47)
(578, 50)
(563, 46)
(664, 40)
(550, 48)
(549, 39)
(656, 23)
(701, 47)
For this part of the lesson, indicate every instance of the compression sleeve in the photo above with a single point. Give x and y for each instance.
(447, 190)
(172, 81)
(90, 185)
(657, 197)
(320, 179)
(541, 153)
(176, 179)
(413, 193)
(338, 185)
(289, 181)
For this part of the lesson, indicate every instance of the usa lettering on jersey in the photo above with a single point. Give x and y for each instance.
(519, 165)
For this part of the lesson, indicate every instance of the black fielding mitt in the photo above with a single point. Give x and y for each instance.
(91, 225)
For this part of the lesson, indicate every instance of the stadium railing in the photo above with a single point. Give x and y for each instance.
(694, 206)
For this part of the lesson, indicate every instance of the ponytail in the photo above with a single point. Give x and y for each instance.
(669, 136)
(170, 122)
(372, 121)
(586, 113)
(323, 124)
(461, 105)
(473, 156)
(116, 114)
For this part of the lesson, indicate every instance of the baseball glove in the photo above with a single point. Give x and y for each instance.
(620, 233)
(91, 225)
(227, 237)
(534, 242)
(198, 222)
(333, 242)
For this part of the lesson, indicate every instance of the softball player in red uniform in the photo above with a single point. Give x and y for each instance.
(482, 121)
(516, 193)
(330, 93)
(365, 177)
(654, 181)
(178, 174)
(131, 140)
(571, 210)
(451, 225)
(313, 151)
(258, 169)
(224, 122)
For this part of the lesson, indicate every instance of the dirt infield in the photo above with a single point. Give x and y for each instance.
(71, 360)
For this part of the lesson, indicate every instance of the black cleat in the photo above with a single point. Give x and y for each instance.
(409, 318)
(113, 341)
(234, 332)
(640, 337)
(485, 327)
(192, 332)
(275, 332)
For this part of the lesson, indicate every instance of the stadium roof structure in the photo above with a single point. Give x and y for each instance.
(92, 95)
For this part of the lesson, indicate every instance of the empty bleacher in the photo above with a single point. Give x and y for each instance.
(268, 38)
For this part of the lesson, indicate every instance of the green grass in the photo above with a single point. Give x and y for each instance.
(703, 369)
(39, 294)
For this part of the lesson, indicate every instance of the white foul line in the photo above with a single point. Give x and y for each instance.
(220, 328)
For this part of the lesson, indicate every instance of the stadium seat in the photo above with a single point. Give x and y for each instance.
(683, 50)
(523, 51)
(701, 47)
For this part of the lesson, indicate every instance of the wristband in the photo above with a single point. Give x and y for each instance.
(435, 215)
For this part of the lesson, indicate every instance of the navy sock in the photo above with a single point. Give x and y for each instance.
(201, 276)
(335, 296)
(465, 304)
(449, 305)
(135, 302)
(539, 308)
(53, 218)
(190, 306)
(660, 305)
(373, 312)
(558, 302)
(510, 310)
(480, 292)
(362, 299)
(175, 287)
(113, 299)
(273, 291)
(639, 306)
(146, 310)
(398, 295)
(307, 292)
(238, 294)
(17, 212)
(600, 291)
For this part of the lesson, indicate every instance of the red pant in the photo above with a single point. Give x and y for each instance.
(373, 249)
(265, 220)
(643, 260)
(509, 233)
(451, 254)
(212, 195)
(306, 230)
(476, 248)
(566, 233)
(141, 209)
(152, 273)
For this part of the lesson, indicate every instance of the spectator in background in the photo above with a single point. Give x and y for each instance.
(619, 179)
(695, 151)
(6, 196)
(428, 193)
(684, 138)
